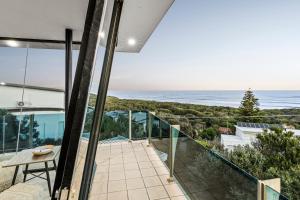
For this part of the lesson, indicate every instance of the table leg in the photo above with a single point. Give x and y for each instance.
(48, 177)
(54, 165)
(25, 173)
(15, 175)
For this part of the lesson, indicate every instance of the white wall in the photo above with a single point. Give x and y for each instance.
(239, 132)
(9, 96)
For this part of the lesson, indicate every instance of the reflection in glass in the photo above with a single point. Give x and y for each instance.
(201, 172)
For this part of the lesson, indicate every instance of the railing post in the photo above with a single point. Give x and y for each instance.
(3, 134)
(149, 128)
(44, 128)
(160, 130)
(172, 149)
(31, 122)
(170, 156)
(130, 126)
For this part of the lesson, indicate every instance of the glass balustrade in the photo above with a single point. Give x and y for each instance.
(201, 172)
(271, 194)
(26, 131)
(138, 125)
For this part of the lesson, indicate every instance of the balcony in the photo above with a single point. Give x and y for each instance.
(141, 156)
(144, 157)
(131, 170)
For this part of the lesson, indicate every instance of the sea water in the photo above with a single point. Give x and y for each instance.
(268, 99)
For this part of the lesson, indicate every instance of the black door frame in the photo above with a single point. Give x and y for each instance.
(68, 69)
(100, 101)
(79, 97)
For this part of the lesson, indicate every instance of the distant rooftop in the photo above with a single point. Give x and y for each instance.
(258, 125)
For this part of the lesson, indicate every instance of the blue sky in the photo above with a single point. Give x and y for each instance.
(199, 45)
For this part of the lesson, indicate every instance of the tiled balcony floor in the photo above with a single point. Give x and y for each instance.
(131, 171)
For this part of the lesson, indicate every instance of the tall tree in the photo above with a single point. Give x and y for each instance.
(249, 104)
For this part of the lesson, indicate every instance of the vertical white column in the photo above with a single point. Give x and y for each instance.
(170, 155)
(172, 149)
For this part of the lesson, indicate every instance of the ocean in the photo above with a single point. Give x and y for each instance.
(268, 99)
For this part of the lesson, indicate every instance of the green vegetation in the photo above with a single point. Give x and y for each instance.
(249, 105)
(276, 153)
(196, 119)
(209, 133)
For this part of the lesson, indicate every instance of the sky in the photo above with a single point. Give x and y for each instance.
(199, 45)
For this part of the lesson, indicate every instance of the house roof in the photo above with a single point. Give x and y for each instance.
(47, 21)
(247, 129)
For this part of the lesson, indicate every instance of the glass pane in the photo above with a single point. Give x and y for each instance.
(139, 124)
(2, 133)
(46, 68)
(12, 77)
(202, 171)
(115, 126)
(162, 143)
(155, 132)
(10, 130)
(271, 194)
(49, 128)
(12, 65)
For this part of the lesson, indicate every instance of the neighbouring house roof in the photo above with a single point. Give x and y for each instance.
(260, 130)
(224, 130)
(246, 129)
(257, 125)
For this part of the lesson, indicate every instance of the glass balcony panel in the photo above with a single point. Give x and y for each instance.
(49, 128)
(202, 172)
(155, 132)
(115, 126)
(9, 130)
(162, 143)
(139, 125)
(271, 194)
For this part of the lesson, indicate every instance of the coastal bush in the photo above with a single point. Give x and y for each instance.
(200, 115)
(275, 154)
(209, 134)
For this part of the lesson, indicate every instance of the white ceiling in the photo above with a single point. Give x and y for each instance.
(48, 19)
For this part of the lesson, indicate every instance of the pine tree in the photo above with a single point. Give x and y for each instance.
(249, 104)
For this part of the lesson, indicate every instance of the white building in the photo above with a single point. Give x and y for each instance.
(246, 134)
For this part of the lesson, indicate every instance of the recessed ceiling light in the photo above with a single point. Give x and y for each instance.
(12, 43)
(2, 83)
(131, 41)
(102, 34)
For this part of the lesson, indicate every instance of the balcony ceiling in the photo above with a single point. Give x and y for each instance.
(47, 20)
